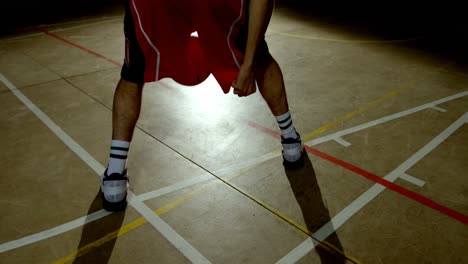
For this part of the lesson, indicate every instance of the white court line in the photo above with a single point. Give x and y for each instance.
(187, 183)
(53, 231)
(439, 109)
(344, 215)
(339, 134)
(86, 25)
(89, 20)
(412, 179)
(225, 171)
(142, 197)
(95, 216)
(220, 173)
(342, 142)
(22, 37)
(170, 234)
(166, 230)
(174, 187)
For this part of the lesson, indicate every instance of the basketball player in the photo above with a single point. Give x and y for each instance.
(230, 45)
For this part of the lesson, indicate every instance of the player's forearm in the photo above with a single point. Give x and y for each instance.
(259, 16)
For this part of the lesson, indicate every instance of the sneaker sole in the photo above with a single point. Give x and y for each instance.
(114, 207)
(298, 164)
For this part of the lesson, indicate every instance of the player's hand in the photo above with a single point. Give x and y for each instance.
(244, 85)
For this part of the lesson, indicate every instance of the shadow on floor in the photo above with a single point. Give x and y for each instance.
(103, 230)
(307, 192)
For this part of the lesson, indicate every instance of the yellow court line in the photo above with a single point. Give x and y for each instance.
(323, 244)
(125, 229)
(94, 245)
(366, 107)
(120, 232)
(141, 221)
(133, 225)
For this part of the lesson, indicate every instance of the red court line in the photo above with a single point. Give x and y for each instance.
(410, 194)
(390, 185)
(79, 46)
(89, 51)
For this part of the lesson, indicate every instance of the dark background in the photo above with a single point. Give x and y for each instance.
(20, 15)
(443, 24)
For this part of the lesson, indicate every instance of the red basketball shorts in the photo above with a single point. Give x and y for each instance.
(158, 41)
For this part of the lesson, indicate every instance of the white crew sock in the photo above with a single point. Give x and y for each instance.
(285, 123)
(118, 156)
